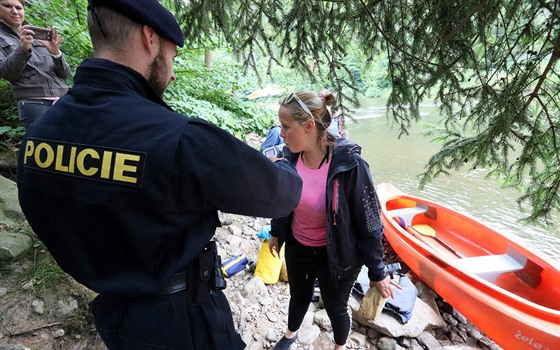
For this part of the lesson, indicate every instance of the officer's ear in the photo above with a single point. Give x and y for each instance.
(150, 40)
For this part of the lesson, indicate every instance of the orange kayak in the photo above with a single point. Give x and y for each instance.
(509, 292)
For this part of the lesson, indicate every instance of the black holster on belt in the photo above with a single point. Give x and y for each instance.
(205, 275)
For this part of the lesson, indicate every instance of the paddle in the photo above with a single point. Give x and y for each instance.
(428, 231)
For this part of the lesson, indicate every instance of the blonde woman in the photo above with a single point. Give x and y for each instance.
(336, 227)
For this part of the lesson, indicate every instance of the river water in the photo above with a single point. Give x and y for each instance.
(399, 161)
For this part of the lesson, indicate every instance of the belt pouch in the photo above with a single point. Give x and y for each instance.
(200, 271)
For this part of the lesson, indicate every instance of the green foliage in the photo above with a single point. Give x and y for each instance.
(69, 17)
(42, 272)
(213, 94)
(492, 67)
(45, 273)
(497, 84)
(8, 107)
(10, 127)
(312, 39)
(217, 94)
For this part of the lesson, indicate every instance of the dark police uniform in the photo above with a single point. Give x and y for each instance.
(124, 193)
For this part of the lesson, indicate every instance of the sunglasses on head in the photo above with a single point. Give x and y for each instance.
(293, 96)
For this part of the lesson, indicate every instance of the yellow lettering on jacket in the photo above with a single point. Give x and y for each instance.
(107, 158)
(125, 163)
(81, 162)
(87, 161)
(29, 149)
(47, 151)
(60, 164)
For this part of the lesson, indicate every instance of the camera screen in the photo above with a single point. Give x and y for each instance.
(270, 152)
(42, 33)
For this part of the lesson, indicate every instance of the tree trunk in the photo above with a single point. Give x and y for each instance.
(208, 58)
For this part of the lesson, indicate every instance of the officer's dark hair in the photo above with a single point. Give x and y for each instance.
(109, 30)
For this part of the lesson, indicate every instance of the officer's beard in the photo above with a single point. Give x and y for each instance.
(155, 78)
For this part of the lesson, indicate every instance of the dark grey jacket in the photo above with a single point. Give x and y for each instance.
(354, 227)
(31, 74)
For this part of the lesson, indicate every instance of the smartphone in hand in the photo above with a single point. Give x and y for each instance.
(42, 33)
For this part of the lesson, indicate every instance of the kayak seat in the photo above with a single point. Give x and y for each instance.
(407, 214)
(490, 267)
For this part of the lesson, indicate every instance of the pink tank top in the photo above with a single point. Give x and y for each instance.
(310, 216)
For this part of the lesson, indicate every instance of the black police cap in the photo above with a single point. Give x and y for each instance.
(149, 12)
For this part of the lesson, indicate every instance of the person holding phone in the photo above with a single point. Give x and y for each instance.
(35, 68)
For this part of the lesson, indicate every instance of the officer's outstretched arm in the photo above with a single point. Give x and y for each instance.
(236, 177)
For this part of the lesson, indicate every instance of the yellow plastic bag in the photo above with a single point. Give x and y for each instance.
(268, 267)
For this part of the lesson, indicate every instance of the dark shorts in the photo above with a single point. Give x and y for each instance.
(166, 322)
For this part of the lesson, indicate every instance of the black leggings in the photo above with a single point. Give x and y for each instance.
(305, 264)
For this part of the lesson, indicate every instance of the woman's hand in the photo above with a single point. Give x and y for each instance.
(384, 286)
(273, 246)
(275, 159)
(53, 46)
(26, 37)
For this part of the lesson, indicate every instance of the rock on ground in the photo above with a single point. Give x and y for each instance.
(32, 317)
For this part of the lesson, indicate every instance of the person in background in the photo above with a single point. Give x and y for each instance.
(336, 227)
(273, 144)
(336, 127)
(272, 139)
(125, 193)
(36, 69)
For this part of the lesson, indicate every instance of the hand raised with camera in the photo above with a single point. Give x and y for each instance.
(53, 46)
(26, 37)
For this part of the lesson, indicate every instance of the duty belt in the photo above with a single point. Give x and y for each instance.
(176, 283)
(204, 276)
(37, 101)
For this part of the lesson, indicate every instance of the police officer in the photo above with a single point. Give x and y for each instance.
(125, 193)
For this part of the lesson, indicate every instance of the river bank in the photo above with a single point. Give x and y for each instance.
(43, 308)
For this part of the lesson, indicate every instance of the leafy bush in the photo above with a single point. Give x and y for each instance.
(10, 127)
(216, 95)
